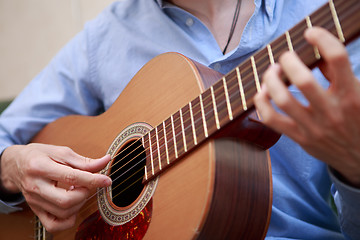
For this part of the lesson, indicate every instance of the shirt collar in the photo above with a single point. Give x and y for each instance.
(160, 2)
(268, 4)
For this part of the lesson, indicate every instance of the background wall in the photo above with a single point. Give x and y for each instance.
(31, 33)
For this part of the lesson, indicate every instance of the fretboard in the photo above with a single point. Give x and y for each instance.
(233, 95)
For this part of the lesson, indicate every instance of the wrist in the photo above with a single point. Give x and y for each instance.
(7, 188)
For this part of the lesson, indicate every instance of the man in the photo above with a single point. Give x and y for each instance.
(92, 70)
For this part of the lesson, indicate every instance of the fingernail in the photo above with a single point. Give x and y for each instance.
(107, 182)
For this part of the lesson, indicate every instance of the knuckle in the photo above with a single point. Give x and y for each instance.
(64, 203)
(338, 56)
(66, 150)
(70, 178)
(283, 100)
(30, 187)
(307, 82)
(50, 227)
(93, 183)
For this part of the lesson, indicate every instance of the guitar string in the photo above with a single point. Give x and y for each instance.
(274, 47)
(123, 182)
(279, 45)
(248, 67)
(171, 139)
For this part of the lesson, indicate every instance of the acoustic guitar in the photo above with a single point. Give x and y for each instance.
(189, 157)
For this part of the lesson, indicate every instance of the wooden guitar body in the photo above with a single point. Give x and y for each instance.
(220, 190)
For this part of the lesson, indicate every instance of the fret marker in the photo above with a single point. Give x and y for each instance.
(316, 50)
(288, 39)
(173, 130)
(158, 148)
(270, 53)
(336, 21)
(256, 76)
(166, 146)
(203, 117)
(183, 131)
(241, 89)
(192, 123)
(215, 109)
(151, 156)
(227, 99)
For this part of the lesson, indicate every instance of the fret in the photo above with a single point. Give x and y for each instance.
(170, 139)
(316, 50)
(161, 145)
(270, 54)
(179, 136)
(192, 123)
(241, 89)
(183, 131)
(198, 120)
(158, 148)
(203, 117)
(288, 40)
(227, 99)
(256, 76)
(209, 111)
(154, 150)
(188, 127)
(151, 155)
(174, 136)
(147, 154)
(220, 102)
(336, 21)
(215, 108)
(279, 46)
(234, 93)
(166, 144)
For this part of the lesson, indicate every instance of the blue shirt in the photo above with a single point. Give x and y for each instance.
(89, 73)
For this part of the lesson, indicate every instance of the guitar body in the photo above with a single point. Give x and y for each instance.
(220, 190)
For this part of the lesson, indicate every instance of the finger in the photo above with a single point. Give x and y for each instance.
(301, 76)
(73, 177)
(51, 223)
(67, 156)
(337, 67)
(269, 115)
(282, 97)
(37, 201)
(58, 196)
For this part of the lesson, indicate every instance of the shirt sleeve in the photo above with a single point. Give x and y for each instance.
(347, 201)
(63, 88)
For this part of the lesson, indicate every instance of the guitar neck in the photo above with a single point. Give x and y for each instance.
(233, 95)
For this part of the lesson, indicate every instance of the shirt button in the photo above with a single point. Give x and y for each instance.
(189, 22)
(217, 66)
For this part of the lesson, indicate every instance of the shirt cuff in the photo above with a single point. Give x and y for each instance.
(347, 199)
(9, 207)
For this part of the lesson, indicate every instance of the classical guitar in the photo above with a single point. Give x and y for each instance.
(189, 158)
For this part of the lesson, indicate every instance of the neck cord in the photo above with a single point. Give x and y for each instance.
(233, 25)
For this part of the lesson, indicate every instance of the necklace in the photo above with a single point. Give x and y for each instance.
(233, 25)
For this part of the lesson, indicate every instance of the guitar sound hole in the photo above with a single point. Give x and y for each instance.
(127, 172)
